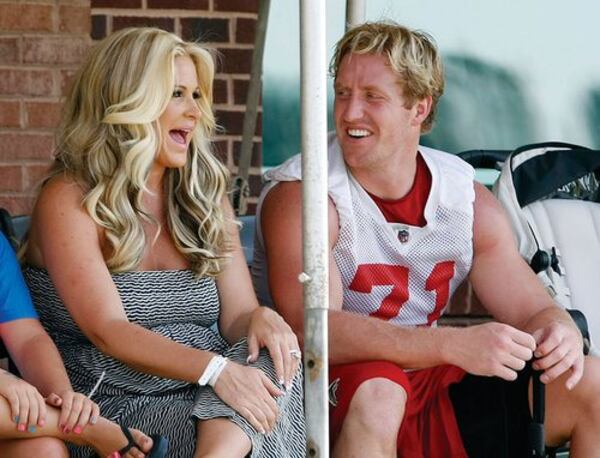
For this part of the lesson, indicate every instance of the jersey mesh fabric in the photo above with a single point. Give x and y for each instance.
(413, 278)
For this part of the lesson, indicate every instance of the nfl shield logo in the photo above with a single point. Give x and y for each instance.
(403, 235)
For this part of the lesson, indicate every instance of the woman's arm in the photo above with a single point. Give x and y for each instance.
(70, 248)
(241, 315)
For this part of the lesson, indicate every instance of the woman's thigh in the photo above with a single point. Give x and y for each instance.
(221, 437)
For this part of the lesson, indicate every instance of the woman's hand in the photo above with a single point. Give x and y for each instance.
(27, 405)
(249, 392)
(268, 329)
(76, 410)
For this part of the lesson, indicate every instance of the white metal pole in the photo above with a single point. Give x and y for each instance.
(313, 63)
(355, 12)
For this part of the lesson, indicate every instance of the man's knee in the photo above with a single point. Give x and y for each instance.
(587, 391)
(378, 405)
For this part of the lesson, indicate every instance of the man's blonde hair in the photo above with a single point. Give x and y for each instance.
(109, 139)
(412, 55)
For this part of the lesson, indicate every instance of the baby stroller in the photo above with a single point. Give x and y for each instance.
(551, 193)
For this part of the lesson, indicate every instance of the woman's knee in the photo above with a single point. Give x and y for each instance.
(221, 437)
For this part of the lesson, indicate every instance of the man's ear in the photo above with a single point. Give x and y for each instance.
(422, 108)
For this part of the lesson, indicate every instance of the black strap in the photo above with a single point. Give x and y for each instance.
(130, 441)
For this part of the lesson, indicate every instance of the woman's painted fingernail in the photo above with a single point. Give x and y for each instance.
(16, 419)
(21, 428)
(41, 423)
(31, 428)
(93, 420)
(77, 429)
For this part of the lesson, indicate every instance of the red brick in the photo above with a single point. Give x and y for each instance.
(10, 113)
(26, 17)
(33, 174)
(98, 27)
(235, 60)
(66, 79)
(9, 50)
(43, 114)
(25, 146)
(17, 205)
(116, 3)
(11, 178)
(256, 154)
(179, 4)
(26, 82)
(205, 30)
(246, 6)
(240, 91)
(245, 30)
(74, 19)
(256, 184)
(233, 122)
(121, 22)
(55, 49)
(220, 91)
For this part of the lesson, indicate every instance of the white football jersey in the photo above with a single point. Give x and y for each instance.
(400, 273)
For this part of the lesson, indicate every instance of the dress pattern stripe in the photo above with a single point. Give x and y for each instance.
(185, 309)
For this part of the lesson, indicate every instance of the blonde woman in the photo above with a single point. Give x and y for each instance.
(134, 257)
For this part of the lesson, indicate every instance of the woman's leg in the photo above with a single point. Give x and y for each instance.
(105, 436)
(221, 438)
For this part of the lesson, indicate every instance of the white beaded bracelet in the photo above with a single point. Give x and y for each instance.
(212, 371)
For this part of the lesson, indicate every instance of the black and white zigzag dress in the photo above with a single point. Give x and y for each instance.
(185, 309)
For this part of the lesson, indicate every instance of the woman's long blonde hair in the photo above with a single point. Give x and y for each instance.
(108, 141)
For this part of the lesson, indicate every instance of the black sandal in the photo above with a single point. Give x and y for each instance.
(160, 445)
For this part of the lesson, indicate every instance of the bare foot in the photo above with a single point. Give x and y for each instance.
(107, 438)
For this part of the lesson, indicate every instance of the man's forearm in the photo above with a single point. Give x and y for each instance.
(353, 337)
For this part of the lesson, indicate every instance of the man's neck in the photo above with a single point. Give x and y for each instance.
(394, 179)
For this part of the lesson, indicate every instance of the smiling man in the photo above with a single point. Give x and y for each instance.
(407, 224)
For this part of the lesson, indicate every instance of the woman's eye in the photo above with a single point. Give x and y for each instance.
(177, 93)
(196, 95)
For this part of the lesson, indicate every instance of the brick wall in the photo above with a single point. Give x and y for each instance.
(42, 42)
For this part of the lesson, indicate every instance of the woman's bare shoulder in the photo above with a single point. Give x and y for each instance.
(58, 210)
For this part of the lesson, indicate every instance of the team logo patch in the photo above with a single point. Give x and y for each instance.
(403, 235)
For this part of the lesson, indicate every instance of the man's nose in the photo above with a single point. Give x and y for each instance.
(353, 109)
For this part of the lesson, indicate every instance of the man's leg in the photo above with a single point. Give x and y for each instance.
(370, 401)
(575, 415)
(373, 420)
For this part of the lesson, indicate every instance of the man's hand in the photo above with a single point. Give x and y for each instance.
(559, 349)
(491, 349)
(77, 411)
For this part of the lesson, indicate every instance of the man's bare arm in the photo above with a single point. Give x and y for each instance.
(513, 294)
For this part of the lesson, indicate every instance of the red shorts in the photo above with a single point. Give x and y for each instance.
(429, 427)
